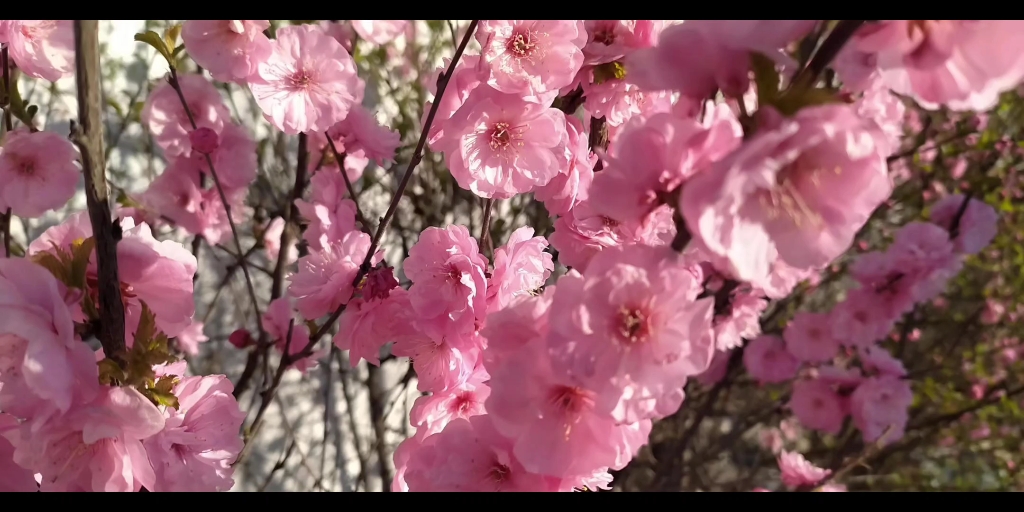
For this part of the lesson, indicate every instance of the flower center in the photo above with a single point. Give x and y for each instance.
(25, 168)
(605, 34)
(454, 274)
(463, 401)
(522, 44)
(501, 136)
(634, 325)
(499, 473)
(301, 79)
(609, 222)
(570, 400)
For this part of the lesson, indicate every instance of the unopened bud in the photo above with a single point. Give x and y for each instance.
(241, 338)
(204, 140)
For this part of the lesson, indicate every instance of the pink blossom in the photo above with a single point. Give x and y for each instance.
(977, 227)
(289, 333)
(464, 80)
(886, 110)
(13, 478)
(582, 233)
(189, 339)
(881, 404)
(43, 48)
(367, 324)
(878, 359)
(511, 328)
(322, 158)
(554, 421)
(38, 172)
(42, 363)
(440, 366)
(520, 267)
(272, 242)
(618, 101)
(476, 458)
(717, 370)
(798, 472)
(610, 40)
(229, 49)
(308, 83)
(361, 133)
(809, 337)
(96, 447)
(802, 188)
(341, 32)
(178, 196)
(740, 321)
(861, 319)
(203, 140)
(631, 329)
(962, 64)
(200, 440)
(817, 406)
(449, 291)
(324, 280)
(768, 361)
(499, 145)
(234, 159)
(993, 312)
(700, 56)
(430, 413)
(167, 121)
(331, 216)
(567, 189)
(652, 158)
(379, 32)
(158, 273)
(531, 57)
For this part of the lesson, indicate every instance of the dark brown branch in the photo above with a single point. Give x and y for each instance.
(828, 50)
(486, 244)
(88, 135)
(9, 126)
(375, 384)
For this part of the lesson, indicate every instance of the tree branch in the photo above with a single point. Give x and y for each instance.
(88, 135)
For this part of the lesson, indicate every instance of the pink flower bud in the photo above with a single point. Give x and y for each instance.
(204, 140)
(240, 338)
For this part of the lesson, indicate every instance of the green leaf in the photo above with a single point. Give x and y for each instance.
(110, 373)
(153, 39)
(81, 251)
(162, 398)
(117, 108)
(52, 262)
(31, 111)
(795, 99)
(178, 50)
(171, 36)
(766, 77)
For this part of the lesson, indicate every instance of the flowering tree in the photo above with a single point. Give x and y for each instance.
(612, 254)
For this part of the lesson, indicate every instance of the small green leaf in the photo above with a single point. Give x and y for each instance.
(81, 252)
(53, 263)
(110, 373)
(795, 99)
(171, 36)
(31, 111)
(153, 39)
(178, 50)
(117, 108)
(160, 398)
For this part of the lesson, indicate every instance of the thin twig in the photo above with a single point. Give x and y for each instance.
(88, 135)
(287, 359)
(837, 38)
(173, 81)
(340, 158)
(486, 245)
(9, 125)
